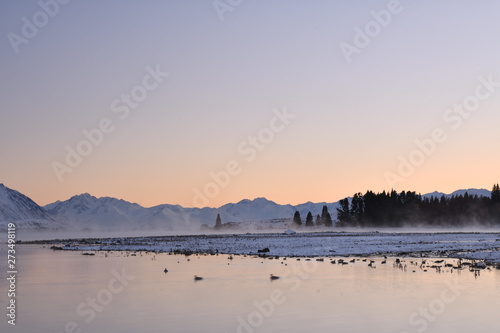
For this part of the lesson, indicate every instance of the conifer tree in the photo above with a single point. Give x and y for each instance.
(296, 218)
(326, 218)
(344, 213)
(495, 194)
(218, 222)
(495, 204)
(309, 220)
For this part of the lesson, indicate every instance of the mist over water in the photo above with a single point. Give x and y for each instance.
(29, 235)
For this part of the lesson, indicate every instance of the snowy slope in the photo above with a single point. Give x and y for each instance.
(86, 212)
(255, 210)
(24, 212)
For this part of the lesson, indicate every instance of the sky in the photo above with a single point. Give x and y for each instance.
(202, 103)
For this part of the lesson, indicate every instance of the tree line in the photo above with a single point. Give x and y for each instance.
(325, 219)
(393, 209)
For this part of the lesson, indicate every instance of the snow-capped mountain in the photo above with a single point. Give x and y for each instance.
(24, 212)
(255, 210)
(86, 212)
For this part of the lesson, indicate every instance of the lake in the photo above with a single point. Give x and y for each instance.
(65, 291)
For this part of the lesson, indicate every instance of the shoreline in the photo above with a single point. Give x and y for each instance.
(484, 246)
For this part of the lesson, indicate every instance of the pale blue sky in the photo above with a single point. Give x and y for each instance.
(226, 77)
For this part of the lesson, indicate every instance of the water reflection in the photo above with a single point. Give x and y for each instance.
(147, 292)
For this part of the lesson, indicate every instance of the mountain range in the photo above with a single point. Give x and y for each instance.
(85, 212)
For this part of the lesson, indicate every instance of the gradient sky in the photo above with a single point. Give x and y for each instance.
(352, 120)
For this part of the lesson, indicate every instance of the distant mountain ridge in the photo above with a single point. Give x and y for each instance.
(86, 212)
(471, 191)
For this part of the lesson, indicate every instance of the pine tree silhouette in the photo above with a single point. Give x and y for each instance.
(296, 218)
(309, 220)
(218, 222)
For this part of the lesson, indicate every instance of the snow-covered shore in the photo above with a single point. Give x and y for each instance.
(483, 245)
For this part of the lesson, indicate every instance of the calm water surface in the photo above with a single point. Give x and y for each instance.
(68, 292)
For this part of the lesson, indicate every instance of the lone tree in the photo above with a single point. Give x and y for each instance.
(296, 218)
(309, 220)
(218, 222)
(318, 220)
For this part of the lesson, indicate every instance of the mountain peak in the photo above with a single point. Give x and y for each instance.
(262, 199)
(435, 194)
(259, 201)
(84, 197)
